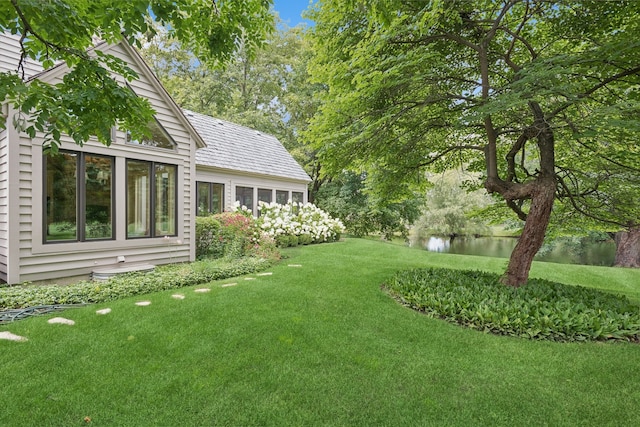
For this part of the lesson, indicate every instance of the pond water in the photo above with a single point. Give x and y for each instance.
(601, 253)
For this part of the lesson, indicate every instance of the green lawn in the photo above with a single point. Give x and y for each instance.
(319, 344)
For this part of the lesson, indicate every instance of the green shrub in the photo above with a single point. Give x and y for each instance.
(233, 235)
(238, 233)
(266, 248)
(286, 240)
(305, 239)
(282, 241)
(540, 310)
(126, 285)
(208, 239)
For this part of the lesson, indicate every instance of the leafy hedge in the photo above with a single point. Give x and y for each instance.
(541, 310)
(126, 285)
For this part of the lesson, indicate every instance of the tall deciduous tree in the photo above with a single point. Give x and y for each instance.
(268, 91)
(479, 82)
(65, 31)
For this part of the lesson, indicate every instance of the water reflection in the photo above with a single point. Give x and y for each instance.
(438, 244)
(601, 253)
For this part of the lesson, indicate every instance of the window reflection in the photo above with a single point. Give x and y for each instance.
(244, 196)
(138, 199)
(61, 197)
(210, 198)
(151, 199)
(98, 197)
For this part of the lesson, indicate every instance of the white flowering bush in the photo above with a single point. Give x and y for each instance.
(297, 223)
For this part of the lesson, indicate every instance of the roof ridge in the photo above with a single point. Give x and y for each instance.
(187, 112)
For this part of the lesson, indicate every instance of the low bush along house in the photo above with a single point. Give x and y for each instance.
(131, 205)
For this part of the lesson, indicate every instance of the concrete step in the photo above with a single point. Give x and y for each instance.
(106, 273)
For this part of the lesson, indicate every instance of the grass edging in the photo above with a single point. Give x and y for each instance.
(541, 310)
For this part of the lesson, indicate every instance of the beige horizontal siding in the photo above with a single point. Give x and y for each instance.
(10, 54)
(4, 205)
(25, 194)
(40, 261)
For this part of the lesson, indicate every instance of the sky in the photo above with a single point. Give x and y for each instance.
(290, 11)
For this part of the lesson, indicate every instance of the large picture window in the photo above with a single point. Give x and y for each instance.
(151, 199)
(165, 200)
(78, 197)
(210, 198)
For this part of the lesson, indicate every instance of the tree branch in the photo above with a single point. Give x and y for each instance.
(603, 83)
(434, 158)
(579, 209)
(526, 135)
(496, 24)
(29, 30)
(574, 128)
(517, 209)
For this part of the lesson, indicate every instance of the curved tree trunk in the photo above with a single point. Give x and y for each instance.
(541, 192)
(628, 248)
(532, 235)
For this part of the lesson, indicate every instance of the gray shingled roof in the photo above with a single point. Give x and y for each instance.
(238, 148)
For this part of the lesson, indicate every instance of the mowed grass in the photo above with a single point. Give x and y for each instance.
(314, 345)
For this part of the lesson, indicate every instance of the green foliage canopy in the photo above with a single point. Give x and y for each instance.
(89, 101)
(408, 89)
(349, 197)
(492, 85)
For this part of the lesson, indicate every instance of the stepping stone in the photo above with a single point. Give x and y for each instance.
(249, 278)
(177, 296)
(103, 311)
(295, 265)
(265, 274)
(6, 335)
(202, 290)
(61, 321)
(143, 303)
(226, 285)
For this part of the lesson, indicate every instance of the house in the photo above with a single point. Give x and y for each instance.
(243, 165)
(132, 204)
